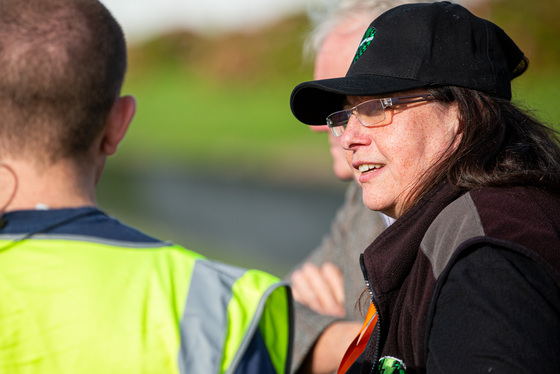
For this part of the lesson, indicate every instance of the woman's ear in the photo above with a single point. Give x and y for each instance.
(456, 123)
(119, 119)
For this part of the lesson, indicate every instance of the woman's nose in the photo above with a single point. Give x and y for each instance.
(353, 134)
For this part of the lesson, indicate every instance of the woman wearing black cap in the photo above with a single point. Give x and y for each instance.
(468, 278)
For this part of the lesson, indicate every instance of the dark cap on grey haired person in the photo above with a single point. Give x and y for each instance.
(413, 46)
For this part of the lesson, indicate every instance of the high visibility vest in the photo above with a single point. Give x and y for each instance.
(69, 306)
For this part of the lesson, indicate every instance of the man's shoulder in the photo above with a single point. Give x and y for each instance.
(82, 222)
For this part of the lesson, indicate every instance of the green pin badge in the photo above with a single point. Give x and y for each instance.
(391, 365)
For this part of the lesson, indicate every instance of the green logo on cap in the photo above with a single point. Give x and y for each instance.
(366, 41)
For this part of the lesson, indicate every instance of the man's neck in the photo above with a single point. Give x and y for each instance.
(25, 186)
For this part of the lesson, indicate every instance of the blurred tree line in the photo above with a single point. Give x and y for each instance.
(274, 52)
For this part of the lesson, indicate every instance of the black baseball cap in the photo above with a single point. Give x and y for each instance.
(418, 45)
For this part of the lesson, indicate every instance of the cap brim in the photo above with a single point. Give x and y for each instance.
(311, 102)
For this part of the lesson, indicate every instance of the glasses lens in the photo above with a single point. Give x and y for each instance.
(337, 122)
(338, 131)
(371, 112)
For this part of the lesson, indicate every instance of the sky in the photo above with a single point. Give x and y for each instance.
(142, 18)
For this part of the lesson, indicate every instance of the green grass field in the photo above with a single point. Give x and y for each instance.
(540, 91)
(185, 120)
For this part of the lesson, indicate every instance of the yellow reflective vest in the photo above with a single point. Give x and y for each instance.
(78, 305)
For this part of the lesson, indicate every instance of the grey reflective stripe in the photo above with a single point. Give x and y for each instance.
(204, 322)
(255, 325)
(87, 239)
(457, 223)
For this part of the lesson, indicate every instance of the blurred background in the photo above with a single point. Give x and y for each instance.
(214, 159)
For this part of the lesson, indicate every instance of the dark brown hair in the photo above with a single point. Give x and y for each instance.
(62, 65)
(501, 145)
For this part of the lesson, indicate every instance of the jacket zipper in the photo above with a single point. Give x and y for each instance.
(375, 304)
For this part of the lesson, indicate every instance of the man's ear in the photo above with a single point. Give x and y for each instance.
(117, 123)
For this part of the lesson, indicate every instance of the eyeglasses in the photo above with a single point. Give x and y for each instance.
(369, 113)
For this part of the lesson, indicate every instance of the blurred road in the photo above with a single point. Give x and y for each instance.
(255, 224)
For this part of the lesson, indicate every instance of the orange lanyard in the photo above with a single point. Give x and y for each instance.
(360, 341)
